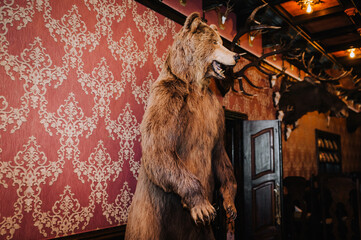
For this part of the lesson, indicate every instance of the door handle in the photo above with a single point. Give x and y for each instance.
(278, 204)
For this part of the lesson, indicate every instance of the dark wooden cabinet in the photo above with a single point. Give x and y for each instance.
(328, 150)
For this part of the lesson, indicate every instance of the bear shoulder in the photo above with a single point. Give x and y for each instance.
(171, 86)
(165, 102)
(168, 91)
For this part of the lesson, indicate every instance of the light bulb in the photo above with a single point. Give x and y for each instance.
(309, 8)
(352, 53)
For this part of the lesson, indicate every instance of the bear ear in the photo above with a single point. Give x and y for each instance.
(192, 22)
(214, 27)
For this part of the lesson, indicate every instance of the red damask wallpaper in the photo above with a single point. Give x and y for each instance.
(75, 78)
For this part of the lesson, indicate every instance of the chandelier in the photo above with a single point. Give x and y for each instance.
(308, 4)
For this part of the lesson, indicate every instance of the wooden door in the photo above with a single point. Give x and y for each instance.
(262, 165)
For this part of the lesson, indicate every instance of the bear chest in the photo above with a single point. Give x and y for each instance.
(200, 118)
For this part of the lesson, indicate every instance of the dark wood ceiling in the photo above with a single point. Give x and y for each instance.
(335, 26)
(328, 32)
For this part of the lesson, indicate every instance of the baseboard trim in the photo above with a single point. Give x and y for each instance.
(113, 233)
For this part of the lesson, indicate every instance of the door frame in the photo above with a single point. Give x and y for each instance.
(236, 157)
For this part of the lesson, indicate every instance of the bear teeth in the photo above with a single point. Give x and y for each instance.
(218, 69)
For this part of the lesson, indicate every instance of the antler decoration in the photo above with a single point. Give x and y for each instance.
(352, 97)
(229, 8)
(240, 75)
(318, 77)
(222, 17)
(357, 80)
(287, 52)
(252, 25)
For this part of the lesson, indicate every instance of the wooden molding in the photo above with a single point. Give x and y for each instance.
(113, 233)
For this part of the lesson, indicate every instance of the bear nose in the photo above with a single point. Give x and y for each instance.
(237, 57)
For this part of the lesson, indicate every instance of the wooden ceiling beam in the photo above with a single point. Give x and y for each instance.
(165, 10)
(290, 21)
(343, 46)
(346, 3)
(349, 63)
(241, 10)
(333, 32)
(354, 16)
(328, 12)
(277, 2)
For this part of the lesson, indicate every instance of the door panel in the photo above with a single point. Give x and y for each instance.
(262, 166)
(263, 214)
(262, 153)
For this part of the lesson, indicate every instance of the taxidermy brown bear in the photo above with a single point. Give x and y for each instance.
(183, 142)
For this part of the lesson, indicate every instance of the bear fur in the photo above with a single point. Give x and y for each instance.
(183, 142)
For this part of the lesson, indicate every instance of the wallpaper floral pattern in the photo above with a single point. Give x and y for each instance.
(75, 77)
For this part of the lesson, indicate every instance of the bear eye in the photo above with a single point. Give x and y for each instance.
(215, 42)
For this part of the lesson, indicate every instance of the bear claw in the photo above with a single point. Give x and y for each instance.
(204, 213)
(231, 213)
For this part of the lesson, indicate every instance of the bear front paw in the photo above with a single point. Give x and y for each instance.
(203, 213)
(231, 211)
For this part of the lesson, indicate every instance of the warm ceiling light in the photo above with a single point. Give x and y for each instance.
(352, 53)
(308, 4)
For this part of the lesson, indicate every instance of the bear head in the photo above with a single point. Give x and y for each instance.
(197, 53)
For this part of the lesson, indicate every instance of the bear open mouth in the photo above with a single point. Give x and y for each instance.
(218, 68)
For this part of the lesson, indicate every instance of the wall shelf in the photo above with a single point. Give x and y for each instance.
(328, 150)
